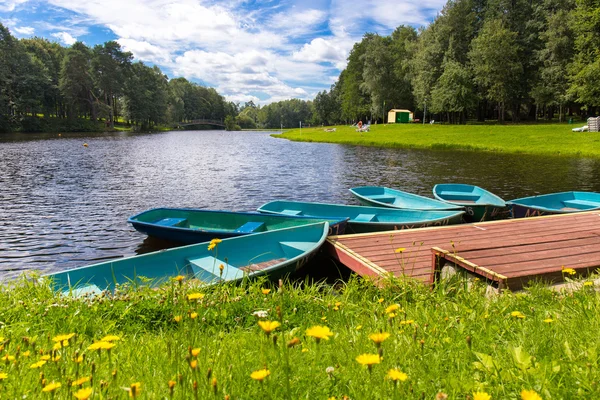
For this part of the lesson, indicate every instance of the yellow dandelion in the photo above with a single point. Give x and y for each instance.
(481, 396)
(392, 308)
(51, 387)
(260, 375)
(57, 346)
(319, 332)
(101, 346)
(359, 327)
(517, 314)
(391, 315)
(62, 338)
(26, 353)
(338, 304)
(8, 358)
(568, 271)
(588, 283)
(177, 318)
(38, 364)
(45, 357)
(172, 384)
(179, 278)
(195, 352)
(368, 359)
(194, 364)
(78, 360)
(378, 338)
(323, 318)
(56, 358)
(396, 375)
(400, 250)
(530, 395)
(381, 300)
(548, 320)
(305, 350)
(265, 291)
(195, 296)
(194, 315)
(213, 243)
(293, 342)
(83, 394)
(135, 389)
(3, 375)
(81, 381)
(407, 322)
(269, 326)
(336, 308)
(110, 338)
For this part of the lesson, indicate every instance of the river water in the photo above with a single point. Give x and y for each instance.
(64, 205)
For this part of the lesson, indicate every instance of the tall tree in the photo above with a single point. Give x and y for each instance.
(76, 83)
(497, 69)
(110, 66)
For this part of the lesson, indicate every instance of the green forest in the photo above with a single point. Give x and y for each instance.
(517, 60)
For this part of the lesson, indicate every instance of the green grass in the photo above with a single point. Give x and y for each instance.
(450, 339)
(547, 139)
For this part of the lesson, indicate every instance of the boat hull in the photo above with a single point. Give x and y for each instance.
(480, 204)
(555, 203)
(189, 226)
(276, 254)
(366, 219)
(379, 196)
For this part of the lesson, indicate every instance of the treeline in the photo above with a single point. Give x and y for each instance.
(282, 114)
(47, 87)
(479, 59)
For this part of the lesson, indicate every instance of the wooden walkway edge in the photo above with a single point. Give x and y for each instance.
(509, 253)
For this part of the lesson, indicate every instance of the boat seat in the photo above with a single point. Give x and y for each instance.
(172, 222)
(363, 218)
(291, 212)
(206, 269)
(581, 204)
(384, 198)
(250, 227)
(455, 195)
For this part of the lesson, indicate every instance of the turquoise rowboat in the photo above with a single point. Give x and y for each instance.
(385, 197)
(554, 203)
(366, 219)
(479, 204)
(274, 253)
(188, 225)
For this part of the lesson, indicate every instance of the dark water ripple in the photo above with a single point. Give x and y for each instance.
(64, 205)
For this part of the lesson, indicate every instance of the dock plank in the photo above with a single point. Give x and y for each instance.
(521, 249)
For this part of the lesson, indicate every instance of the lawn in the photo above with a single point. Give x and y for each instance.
(300, 340)
(551, 139)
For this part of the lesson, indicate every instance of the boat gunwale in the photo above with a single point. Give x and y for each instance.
(501, 203)
(410, 195)
(550, 210)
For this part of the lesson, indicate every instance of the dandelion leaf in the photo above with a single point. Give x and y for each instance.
(522, 359)
(485, 362)
(568, 351)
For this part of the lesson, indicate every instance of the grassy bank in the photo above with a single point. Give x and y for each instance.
(184, 342)
(552, 139)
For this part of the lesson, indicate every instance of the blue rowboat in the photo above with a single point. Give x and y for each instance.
(479, 204)
(274, 253)
(385, 197)
(554, 203)
(187, 225)
(366, 219)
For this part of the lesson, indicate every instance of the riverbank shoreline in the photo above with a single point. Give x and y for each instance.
(534, 139)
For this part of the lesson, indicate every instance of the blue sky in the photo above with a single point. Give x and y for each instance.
(258, 50)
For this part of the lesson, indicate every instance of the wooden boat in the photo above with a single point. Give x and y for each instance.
(366, 219)
(385, 197)
(479, 204)
(274, 253)
(554, 203)
(187, 225)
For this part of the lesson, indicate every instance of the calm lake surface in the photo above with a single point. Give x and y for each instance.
(63, 205)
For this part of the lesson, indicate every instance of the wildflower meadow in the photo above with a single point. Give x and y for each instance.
(291, 340)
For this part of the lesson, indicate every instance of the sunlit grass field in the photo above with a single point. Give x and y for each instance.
(260, 340)
(550, 139)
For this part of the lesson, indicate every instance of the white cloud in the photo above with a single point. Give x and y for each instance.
(334, 51)
(145, 51)
(10, 5)
(24, 30)
(65, 37)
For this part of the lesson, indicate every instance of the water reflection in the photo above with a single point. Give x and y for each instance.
(64, 205)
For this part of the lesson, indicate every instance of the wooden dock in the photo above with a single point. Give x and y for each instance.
(507, 253)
